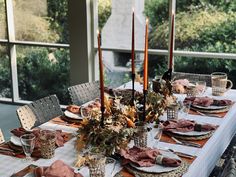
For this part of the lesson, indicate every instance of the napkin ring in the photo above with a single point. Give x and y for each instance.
(198, 127)
(159, 159)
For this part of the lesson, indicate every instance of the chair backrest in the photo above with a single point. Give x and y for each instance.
(2, 140)
(192, 77)
(27, 117)
(229, 169)
(39, 111)
(83, 93)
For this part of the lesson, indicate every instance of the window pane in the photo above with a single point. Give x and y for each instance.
(41, 20)
(43, 71)
(116, 76)
(3, 33)
(115, 19)
(207, 26)
(206, 66)
(5, 74)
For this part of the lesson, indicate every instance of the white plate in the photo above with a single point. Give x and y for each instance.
(15, 140)
(210, 107)
(72, 115)
(192, 133)
(158, 168)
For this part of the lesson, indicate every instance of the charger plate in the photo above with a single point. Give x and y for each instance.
(158, 168)
(182, 169)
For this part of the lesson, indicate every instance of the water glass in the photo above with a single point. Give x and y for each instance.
(28, 143)
(96, 164)
(47, 143)
(201, 87)
(219, 82)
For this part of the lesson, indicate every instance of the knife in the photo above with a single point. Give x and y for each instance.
(186, 143)
(181, 154)
(208, 114)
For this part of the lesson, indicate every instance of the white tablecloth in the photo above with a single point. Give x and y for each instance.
(202, 165)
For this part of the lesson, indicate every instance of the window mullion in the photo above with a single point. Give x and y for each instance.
(12, 49)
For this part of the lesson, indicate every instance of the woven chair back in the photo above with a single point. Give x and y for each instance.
(27, 117)
(39, 112)
(192, 77)
(83, 93)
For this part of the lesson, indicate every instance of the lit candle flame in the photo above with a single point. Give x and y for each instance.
(98, 32)
(133, 9)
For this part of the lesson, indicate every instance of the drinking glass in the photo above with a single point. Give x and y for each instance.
(47, 143)
(157, 135)
(184, 109)
(201, 87)
(28, 142)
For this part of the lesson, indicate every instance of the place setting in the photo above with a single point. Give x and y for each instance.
(31, 145)
(207, 106)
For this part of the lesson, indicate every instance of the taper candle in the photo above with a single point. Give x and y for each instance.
(101, 72)
(133, 45)
(145, 72)
(171, 42)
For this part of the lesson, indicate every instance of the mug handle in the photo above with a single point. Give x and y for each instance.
(230, 86)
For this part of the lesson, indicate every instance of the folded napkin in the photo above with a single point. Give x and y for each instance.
(59, 136)
(147, 157)
(207, 101)
(183, 125)
(57, 169)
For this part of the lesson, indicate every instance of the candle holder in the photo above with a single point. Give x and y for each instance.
(102, 116)
(140, 137)
(172, 111)
(144, 105)
(133, 91)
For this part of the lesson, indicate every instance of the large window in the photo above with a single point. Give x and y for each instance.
(38, 55)
(204, 35)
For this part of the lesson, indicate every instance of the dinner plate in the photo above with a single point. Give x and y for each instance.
(192, 133)
(71, 115)
(211, 111)
(210, 107)
(158, 168)
(15, 140)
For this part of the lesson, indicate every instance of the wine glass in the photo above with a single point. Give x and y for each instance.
(184, 109)
(201, 87)
(157, 135)
(28, 142)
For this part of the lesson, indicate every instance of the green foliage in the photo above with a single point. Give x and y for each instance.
(42, 72)
(58, 18)
(104, 12)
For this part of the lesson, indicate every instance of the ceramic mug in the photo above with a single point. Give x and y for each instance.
(219, 82)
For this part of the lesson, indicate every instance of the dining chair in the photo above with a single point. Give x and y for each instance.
(229, 169)
(2, 140)
(192, 77)
(82, 93)
(39, 112)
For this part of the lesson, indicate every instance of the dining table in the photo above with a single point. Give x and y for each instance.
(206, 156)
